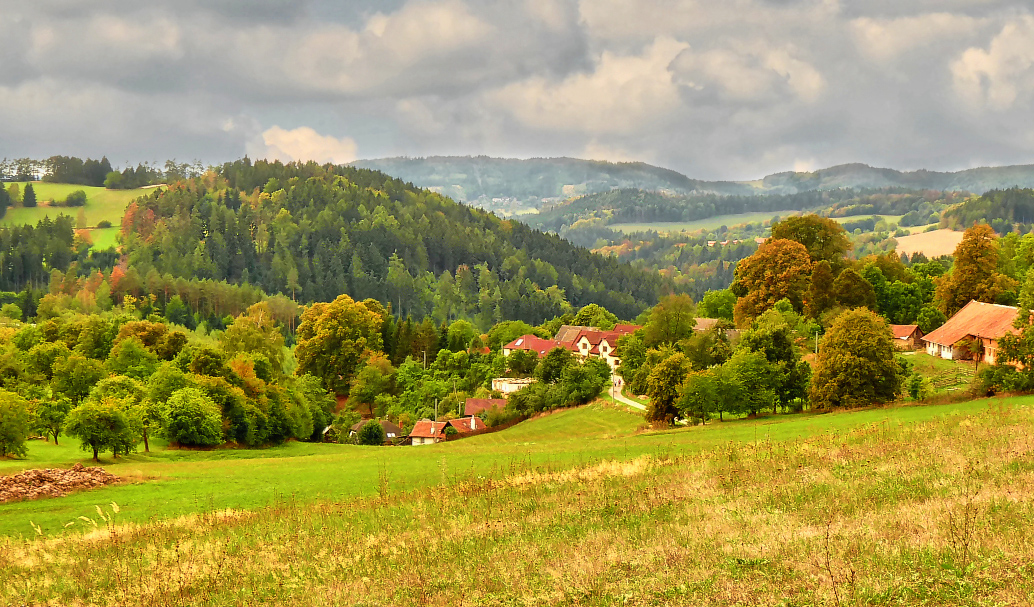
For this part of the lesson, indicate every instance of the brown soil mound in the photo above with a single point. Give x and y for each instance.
(52, 482)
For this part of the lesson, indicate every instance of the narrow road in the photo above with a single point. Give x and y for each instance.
(615, 393)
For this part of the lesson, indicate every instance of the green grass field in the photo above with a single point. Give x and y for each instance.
(170, 483)
(104, 238)
(101, 204)
(709, 224)
(899, 506)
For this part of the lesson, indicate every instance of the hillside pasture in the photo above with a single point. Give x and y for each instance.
(931, 244)
(921, 505)
(168, 483)
(101, 204)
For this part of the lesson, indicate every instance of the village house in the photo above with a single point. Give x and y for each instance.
(428, 432)
(509, 385)
(983, 321)
(907, 337)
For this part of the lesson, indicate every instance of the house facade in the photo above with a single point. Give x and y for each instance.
(977, 320)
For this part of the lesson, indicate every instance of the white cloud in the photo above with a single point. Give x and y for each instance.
(1001, 75)
(303, 143)
(747, 74)
(886, 39)
(595, 150)
(624, 93)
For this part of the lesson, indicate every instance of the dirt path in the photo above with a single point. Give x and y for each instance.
(615, 393)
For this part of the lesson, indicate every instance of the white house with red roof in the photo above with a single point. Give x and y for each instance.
(428, 432)
(983, 321)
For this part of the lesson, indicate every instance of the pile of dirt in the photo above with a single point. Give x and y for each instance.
(52, 482)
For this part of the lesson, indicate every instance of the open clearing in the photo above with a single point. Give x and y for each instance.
(902, 506)
(931, 244)
(101, 204)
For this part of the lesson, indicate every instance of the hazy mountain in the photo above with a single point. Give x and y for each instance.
(512, 185)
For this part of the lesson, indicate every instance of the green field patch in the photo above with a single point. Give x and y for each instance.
(101, 204)
(104, 238)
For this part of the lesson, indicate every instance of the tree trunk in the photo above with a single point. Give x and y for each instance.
(55, 438)
(720, 418)
(147, 449)
(95, 455)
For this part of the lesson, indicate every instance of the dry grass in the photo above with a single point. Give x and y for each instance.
(937, 513)
(931, 244)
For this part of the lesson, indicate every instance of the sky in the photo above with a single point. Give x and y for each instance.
(735, 89)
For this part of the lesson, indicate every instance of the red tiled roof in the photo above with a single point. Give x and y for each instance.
(978, 319)
(626, 329)
(533, 344)
(422, 429)
(467, 424)
(904, 331)
(473, 406)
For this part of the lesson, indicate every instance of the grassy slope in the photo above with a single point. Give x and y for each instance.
(171, 483)
(101, 204)
(933, 510)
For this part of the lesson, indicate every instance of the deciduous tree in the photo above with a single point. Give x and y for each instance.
(779, 269)
(14, 424)
(974, 275)
(857, 364)
(334, 339)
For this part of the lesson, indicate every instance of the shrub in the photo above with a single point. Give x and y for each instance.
(193, 419)
(104, 223)
(76, 199)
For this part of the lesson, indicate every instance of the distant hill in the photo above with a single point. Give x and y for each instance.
(522, 184)
(977, 180)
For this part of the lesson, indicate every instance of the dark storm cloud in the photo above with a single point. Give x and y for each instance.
(729, 89)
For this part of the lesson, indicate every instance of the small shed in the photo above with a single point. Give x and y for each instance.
(907, 337)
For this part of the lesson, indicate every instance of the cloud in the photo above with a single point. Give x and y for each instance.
(886, 39)
(1002, 75)
(621, 95)
(303, 144)
(749, 74)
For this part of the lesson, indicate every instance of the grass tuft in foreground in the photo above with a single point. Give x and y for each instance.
(933, 513)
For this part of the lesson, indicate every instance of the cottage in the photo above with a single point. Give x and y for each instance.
(600, 344)
(427, 432)
(983, 321)
(474, 406)
(907, 337)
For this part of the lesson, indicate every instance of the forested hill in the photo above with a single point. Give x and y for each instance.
(481, 178)
(1001, 209)
(313, 232)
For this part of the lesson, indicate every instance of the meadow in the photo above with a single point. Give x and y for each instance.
(931, 244)
(899, 506)
(101, 204)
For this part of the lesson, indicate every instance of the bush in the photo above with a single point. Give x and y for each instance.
(104, 223)
(75, 199)
(193, 419)
(14, 424)
(371, 433)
